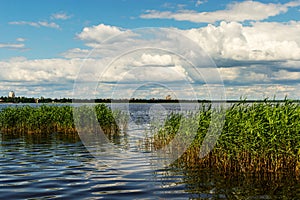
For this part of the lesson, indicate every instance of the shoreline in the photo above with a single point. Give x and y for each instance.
(68, 101)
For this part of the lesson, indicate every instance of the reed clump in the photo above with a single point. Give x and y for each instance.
(260, 138)
(50, 119)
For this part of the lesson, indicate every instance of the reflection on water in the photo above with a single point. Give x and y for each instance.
(211, 184)
(59, 166)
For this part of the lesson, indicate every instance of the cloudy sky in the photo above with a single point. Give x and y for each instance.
(204, 49)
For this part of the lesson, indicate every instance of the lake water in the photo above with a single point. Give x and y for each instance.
(60, 167)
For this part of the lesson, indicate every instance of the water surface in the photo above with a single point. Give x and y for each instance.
(59, 166)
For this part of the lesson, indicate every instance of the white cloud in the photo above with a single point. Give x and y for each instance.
(199, 2)
(260, 91)
(12, 46)
(173, 5)
(110, 41)
(36, 24)
(17, 59)
(260, 41)
(20, 39)
(76, 53)
(49, 24)
(286, 75)
(237, 11)
(293, 3)
(19, 69)
(15, 46)
(61, 16)
(291, 64)
(229, 74)
(128, 59)
(43, 77)
(156, 60)
(136, 57)
(99, 33)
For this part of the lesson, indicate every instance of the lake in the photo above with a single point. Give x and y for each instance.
(60, 166)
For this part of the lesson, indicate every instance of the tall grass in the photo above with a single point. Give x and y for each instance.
(50, 119)
(260, 137)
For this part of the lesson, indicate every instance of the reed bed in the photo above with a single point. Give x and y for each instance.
(260, 138)
(50, 119)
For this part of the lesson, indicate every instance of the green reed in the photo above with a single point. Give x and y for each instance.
(50, 119)
(260, 137)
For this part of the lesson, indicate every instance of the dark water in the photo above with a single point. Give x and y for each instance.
(56, 167)
(60, 167)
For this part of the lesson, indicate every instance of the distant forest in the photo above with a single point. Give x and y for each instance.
(133, 100)
(33, 100)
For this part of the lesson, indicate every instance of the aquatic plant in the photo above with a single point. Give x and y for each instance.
(50, 119)
(260, 137)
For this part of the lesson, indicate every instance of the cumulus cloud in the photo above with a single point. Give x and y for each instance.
(237, 11)
(156, 60)
(36, 24)
(261, 41)
(157, 47)
(230, 41)
(109, 41)
(99, 33)
(246, 55)
(44, 76)
(251, 58)
(128, 58)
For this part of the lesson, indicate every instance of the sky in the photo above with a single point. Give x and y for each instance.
(190, 49)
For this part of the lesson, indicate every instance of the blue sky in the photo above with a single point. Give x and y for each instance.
(254, 47)
(48, 42)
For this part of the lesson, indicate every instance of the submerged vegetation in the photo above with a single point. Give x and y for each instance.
(260, 137)
(51, 119)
